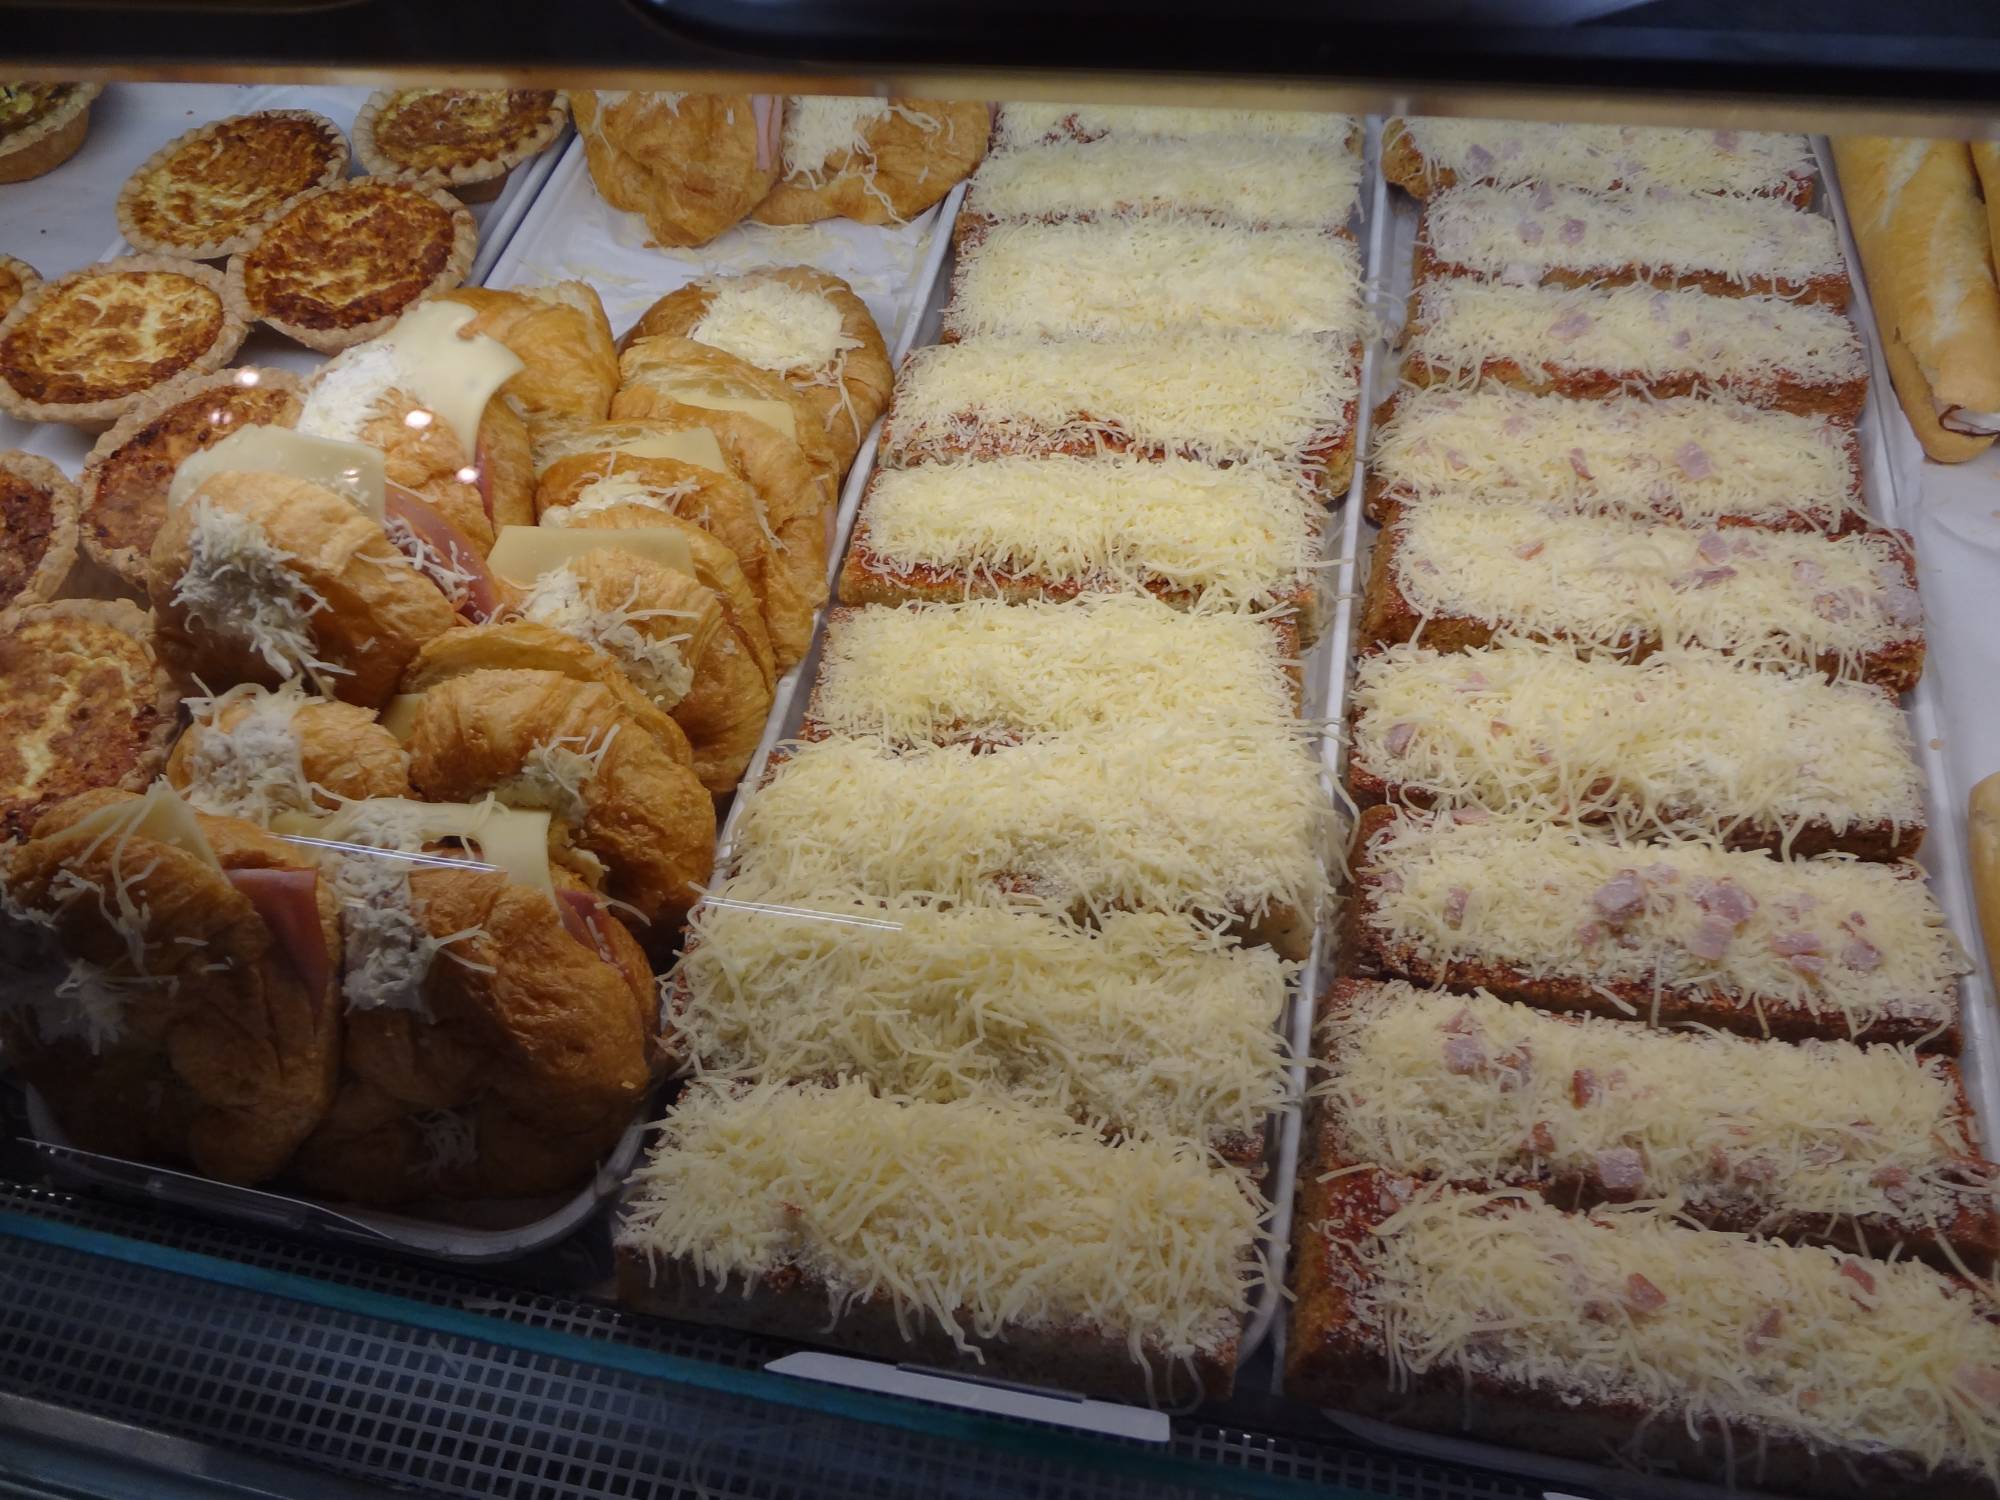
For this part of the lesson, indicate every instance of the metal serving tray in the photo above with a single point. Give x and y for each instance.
(1891, 490)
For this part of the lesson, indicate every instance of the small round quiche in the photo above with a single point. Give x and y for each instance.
(123, 488)
(86, 348)
(206, 194)
(38, 508)
(466, 140)
(339, 265)
(84, 703)
(17, 279)
(41, 126)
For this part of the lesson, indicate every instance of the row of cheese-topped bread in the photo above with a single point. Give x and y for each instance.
(1053, 840)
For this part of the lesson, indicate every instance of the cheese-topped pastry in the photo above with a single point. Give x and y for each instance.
(87, 347)
(206, 193)
(17, 278)
(1424, 155)
(1155, 273)
(879, 161)
(341, 264)
(1044, 124)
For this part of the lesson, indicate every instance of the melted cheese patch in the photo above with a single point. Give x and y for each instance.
(1474, 1090)
(1214, 396)
(1798, 1342)
(1523, 233)
(1237, 537)
(1602, 157)
(980, 668)
(1514, 892)
(1265, 181)
(159, 815)
(1785, 596)
(692, 445)
(1686, 457)
(1681, 737)
(1154, 274)
(1039, 124)
(986, 1216)
(774, 326)
(1635, 333)
(1225, 821)
(353, 471)
(1149, 1022)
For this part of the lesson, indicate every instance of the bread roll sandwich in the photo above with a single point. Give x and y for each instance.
(255, 754)
(805, 326)
(1921, 230)
(173, 995)
(498, 1022)
(569, 365)
(691, 164)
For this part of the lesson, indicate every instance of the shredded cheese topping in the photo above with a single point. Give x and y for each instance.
(1776, 595)
(1680, 738)
(1635, 333)
(819, 128)
(1222, 820)
(987, 668)
(774, 326)
(1474, 1090)
(1212, 396)
(1692, 1326)
(981, 1216)
(251, 769)
(1039, 124)
(1831, 936)
(601, 495)
(1153, 274)
(1236, 537)
(1270, 181)
(1687, 457)
(1521, 234)
(655, 663)
(555, 774)
(1148, 1023)
(1603, 157)
(237, 585)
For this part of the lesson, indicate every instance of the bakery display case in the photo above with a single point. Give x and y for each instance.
(773, 749)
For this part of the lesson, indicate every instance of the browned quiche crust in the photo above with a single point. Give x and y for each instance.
(84, 703)
(38, 507)
(465, 139)
(205, 194)
(17, 279)
(86, 348)
(340, 264)
(123, 489)
(45, 133)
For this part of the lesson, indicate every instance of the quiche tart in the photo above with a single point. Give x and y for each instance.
(206, 194)
(38, 508)
(340, 264)
(84, 703)
(41, 126)
(87, 347)
(17, 279)
(467, 140)
(123, 490)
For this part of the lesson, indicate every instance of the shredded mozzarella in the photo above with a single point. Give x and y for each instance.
(1269, 181)
(556, 773)
(251, 769)
(656, 663)
(773, 325)
(1041, 124)
(237, 585)
(1601, 158)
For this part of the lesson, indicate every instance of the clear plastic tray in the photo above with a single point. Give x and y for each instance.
(1892, 486)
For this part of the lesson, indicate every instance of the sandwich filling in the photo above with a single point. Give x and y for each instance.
(1600, 158)
(251, 769)
(1266, 181)
(655, 663)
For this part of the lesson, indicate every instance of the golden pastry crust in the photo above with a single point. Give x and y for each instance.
(338, 265)
(906, 160)
(17, 279)
(692, 164)
(223, 1048)
(849, 391)
(522, 645)
(88, 347)
(654, 621)
(569, 364)
(661, 372)
(41, 126)
(373, 610)
(467, 140)
(84, 703)
(126, 477)
(579, 484)
(343, 753)
(536, 1055)
(632, 809)
(207, 193)
(38, 521)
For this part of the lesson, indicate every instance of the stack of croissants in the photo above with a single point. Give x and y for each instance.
(460, 706)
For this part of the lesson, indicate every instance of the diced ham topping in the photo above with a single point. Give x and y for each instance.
(1684, 340)
(1642, 1296)
(1514, 1065)
(1463, 1024)
(1727, 140)
(1712, 937)
(1807, 572)
(1590, 934)
(1714, 547)
(1571, 326)
(1464, 1055)
(1478, 160)
(1725, 899)
(1701, 578)
(1473, 682)
(1454, 906)
(1833, 606)
(1541, 1140)
(1498, 727)
(1794, 944)
(1576, 462)
(1455, 460)
(1660, 306)
(1583, 1088)
(1620, 1170)
(1980, 1382)
(1857, 1273)
(1530, 231)
(1861, 955)
(1571, 232)
(1545, 197)
(1397, 740)
(1620, 897)
(1529, 550)
(1768, 1328)
(1466, 816)
(1894, 1183)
